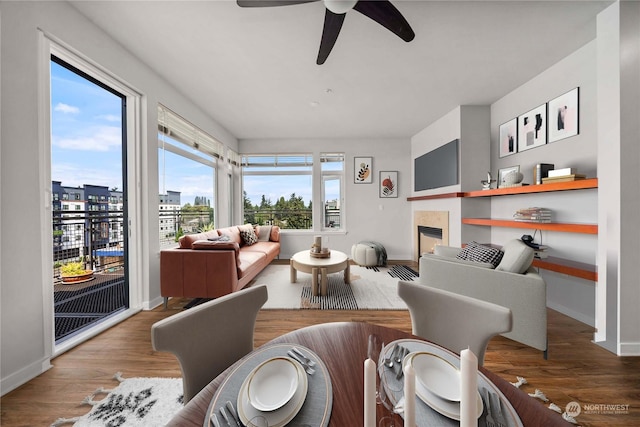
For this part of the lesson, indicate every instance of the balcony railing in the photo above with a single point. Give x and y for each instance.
(95, 238)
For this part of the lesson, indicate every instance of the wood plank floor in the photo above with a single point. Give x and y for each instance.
(577, 370)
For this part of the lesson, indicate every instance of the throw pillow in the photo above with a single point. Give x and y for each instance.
(264, 232)
(248, 236)
(476, 252)
(517, 257)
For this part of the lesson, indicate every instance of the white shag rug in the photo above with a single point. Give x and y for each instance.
(136, 402)
(370, 289)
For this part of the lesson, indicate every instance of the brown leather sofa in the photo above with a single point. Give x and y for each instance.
(208, 266)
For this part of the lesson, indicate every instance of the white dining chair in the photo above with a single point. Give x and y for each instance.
(454, 321)
(210, 337)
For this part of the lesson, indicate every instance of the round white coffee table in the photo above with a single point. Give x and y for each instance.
(304, 262)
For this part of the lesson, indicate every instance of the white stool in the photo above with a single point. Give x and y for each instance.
(364, 255)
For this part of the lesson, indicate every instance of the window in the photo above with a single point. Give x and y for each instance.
(187, 162)
(278, 190)
(332, 171)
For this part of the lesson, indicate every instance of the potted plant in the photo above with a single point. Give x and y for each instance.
(73, 272)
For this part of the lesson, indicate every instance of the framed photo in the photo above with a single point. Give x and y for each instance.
(532, 128)
(388, 184)
(363, 170)
(504, 171)
(509, 137)
(563, 116)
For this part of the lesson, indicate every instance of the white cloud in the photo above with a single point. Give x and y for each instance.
(110, 118)
(101, 138)
(65, 108)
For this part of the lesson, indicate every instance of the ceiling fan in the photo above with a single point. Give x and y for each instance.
(381, 11)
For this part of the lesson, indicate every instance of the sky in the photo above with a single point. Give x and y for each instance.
(86, 128)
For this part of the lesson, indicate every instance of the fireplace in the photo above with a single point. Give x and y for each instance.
(428, 238)
(432, 228)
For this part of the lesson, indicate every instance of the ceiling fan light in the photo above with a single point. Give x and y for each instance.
(340, 6)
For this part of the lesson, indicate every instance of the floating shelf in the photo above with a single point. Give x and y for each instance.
(581, 184)
(550, 226)
(436, 196)
(565, 266)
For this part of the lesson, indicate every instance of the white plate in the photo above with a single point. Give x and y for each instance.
(437, 375)
(448, 408)
(272, 384)
(279, 417)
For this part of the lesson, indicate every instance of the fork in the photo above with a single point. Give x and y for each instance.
(308, 361)
(489, 420)
(308, 369)
(499, 417)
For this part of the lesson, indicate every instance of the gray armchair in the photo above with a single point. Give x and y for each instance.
(512, 284)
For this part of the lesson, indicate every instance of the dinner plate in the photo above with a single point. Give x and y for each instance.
(272, 384)
(448, 408)
(437, 375)
(279, 417)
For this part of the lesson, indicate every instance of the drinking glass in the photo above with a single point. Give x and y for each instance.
(258, 421)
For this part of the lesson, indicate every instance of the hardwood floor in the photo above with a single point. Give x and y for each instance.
(577, 370)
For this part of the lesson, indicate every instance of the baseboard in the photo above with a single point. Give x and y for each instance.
(150, 305)
(629, 349)
(581, 317)
(24, 375)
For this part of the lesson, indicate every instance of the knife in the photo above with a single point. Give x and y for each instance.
(233, 413)
(214, 420)
(225, 416)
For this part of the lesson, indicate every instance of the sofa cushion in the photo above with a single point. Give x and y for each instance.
(264, 233)
(476, 252)
(219, 245)
(233, 233)
(248, 236)
(517, 257)
(270, 249)
(187, 240)
(249, 262)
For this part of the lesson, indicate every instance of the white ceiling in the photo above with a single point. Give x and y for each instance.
(254, 69)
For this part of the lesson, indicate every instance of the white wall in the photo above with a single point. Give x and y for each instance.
(26, 328)
(618, 295)
(569, 295)
(368, 217)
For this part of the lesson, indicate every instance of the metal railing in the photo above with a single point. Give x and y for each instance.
(94, 238)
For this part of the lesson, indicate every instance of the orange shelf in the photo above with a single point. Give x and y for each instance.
(550, 226)
(565, 266)
(581, 184)
(436, 196)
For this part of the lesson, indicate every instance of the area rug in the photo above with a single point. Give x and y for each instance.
(370, 289)
(136, 402)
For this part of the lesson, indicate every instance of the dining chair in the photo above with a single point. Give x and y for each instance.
(210, 337)
(454, 321)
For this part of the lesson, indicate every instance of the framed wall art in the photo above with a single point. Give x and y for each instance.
(363, 170)
(509, 137)
(503, 172)
(388, 184)
(563, 116)
(532, 128)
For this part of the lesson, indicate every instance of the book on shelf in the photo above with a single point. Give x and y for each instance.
(533, 215)
(541, 170)
(564, 178)
(561, 172)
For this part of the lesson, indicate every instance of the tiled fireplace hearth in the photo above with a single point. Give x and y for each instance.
(431, 228)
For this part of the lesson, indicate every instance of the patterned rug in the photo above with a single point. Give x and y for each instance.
(136, 402)
(370, 289)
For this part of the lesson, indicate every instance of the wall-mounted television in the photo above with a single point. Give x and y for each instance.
(437, 168)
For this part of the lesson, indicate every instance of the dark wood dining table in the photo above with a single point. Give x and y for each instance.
(342, 346)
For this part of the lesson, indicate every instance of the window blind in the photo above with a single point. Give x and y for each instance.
(181, 130)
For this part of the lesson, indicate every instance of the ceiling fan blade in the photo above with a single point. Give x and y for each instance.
(332, 25)
(385, 14)
(269, 3)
